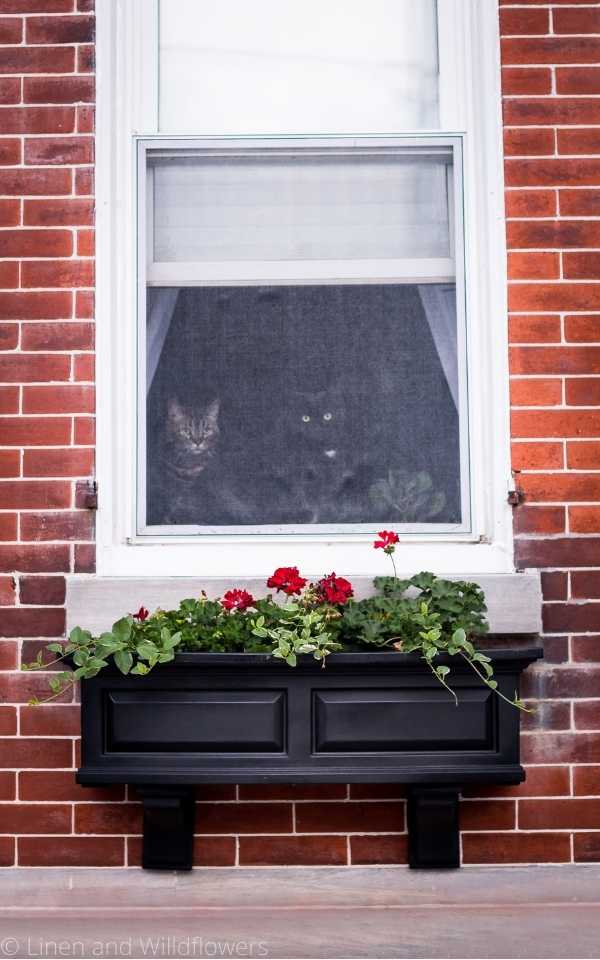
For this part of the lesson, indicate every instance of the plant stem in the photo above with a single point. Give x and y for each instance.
(393, 566)
(495, 689)
(441, 680)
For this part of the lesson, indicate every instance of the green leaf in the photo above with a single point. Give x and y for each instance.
(122, 629)
(442, 672)
(147, 650)
(291, 659)
(79, 636)
(55, 648)
(493, 684)
(141, 669)
(123, 660)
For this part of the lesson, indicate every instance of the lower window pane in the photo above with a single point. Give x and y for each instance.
(299, 405)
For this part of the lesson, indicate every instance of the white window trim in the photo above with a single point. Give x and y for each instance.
(128, 108)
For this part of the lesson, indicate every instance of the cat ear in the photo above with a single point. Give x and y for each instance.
(175, 410)
(212, 412)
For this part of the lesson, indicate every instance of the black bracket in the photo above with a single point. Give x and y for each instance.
(433, 832)
(168, 828)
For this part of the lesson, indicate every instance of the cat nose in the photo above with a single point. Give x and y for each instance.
(330, 453)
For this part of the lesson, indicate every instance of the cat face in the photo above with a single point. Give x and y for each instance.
(191, 437)
(315, 422)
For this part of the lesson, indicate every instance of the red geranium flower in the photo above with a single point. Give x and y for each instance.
(237, 600)
(287, 579)
(387, 540)
(334, 589)
(141, 615)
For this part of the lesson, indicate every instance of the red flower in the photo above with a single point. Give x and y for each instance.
(334, 589)
(237, 600)
(141, 615)
(287, 579)
(387, 540)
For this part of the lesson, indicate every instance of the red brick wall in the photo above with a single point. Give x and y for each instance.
(551, 83)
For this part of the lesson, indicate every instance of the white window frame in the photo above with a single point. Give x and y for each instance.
(127, 45)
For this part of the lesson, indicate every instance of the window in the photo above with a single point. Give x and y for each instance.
(306, 211)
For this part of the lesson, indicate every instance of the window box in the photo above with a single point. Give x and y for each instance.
(227, 718)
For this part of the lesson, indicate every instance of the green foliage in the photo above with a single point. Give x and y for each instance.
(301, 630)
(408, 497)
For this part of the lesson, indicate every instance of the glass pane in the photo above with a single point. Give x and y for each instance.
(301, 208)
(298, 66)
(309, 404)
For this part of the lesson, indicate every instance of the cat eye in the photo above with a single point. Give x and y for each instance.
(305, 418)
(327, 416)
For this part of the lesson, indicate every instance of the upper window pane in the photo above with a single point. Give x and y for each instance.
(298, 67)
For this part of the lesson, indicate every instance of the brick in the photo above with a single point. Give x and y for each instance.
(583, 455)
(10, 152)
(514, 22)
(42, 590)
(36, 243)
(528, 80)
(582, 328)
(539, 520)
(52, 720)
(35, 182)
(86, 244)
(585, 649)
(528, 142)
(553, 233)
(586, 847)
(84, 558)
(9, 213)
(9, 659)
(586, 780)
(539, 782)
(551, 50)
(533, 266)
(582, 392)
(560, 552)
(59, 150)
(86, 118)
(538, 111)
(7, 596)
(58, 89)
(244, 818)
(487, 815)
(9, 274)
(556, 649)
(581, 266)
(577, 80)
(531, 203)
(9, 400)
(353, 817)
(573, 682)
(57, 273)
(534, 329)
(38, 60)
(34, 558)
(8, 526)
(578, 141)
(10, 90)
(377, 791)
(24, 368)
(33, 431)
(585, 584)
(77, 525)
(28, 622)
(552, 487)
(86, 59)
(58, 463)
(84, 430)
(210, 852)
(555, 585)
(7, 851)
(60, 785)
(541, 392)
(29, 494)
(11, 30)
(301, 851)
(39, 753)
(571, 617)
(548, 715)
(84, 182)
(584, 519)
(37, 120)
(516, 848)
(31, 306)
(9, 336)
(60, 29)
(8, 721)
(108, 818)
(58, 213)
(573, 20)
(557, 360)
(557, 172)
(10, 465)
(559, 814)
(587, 717)
(291, 791)
(555, 423)
(36, 6)
(84, 368)
(71, 851)
(57, 336)
(7, 785)
(71, 398)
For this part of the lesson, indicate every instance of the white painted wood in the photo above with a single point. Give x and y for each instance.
(514, 600)
(127, 107)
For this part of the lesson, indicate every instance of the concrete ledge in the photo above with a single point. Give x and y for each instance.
(514, 600)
